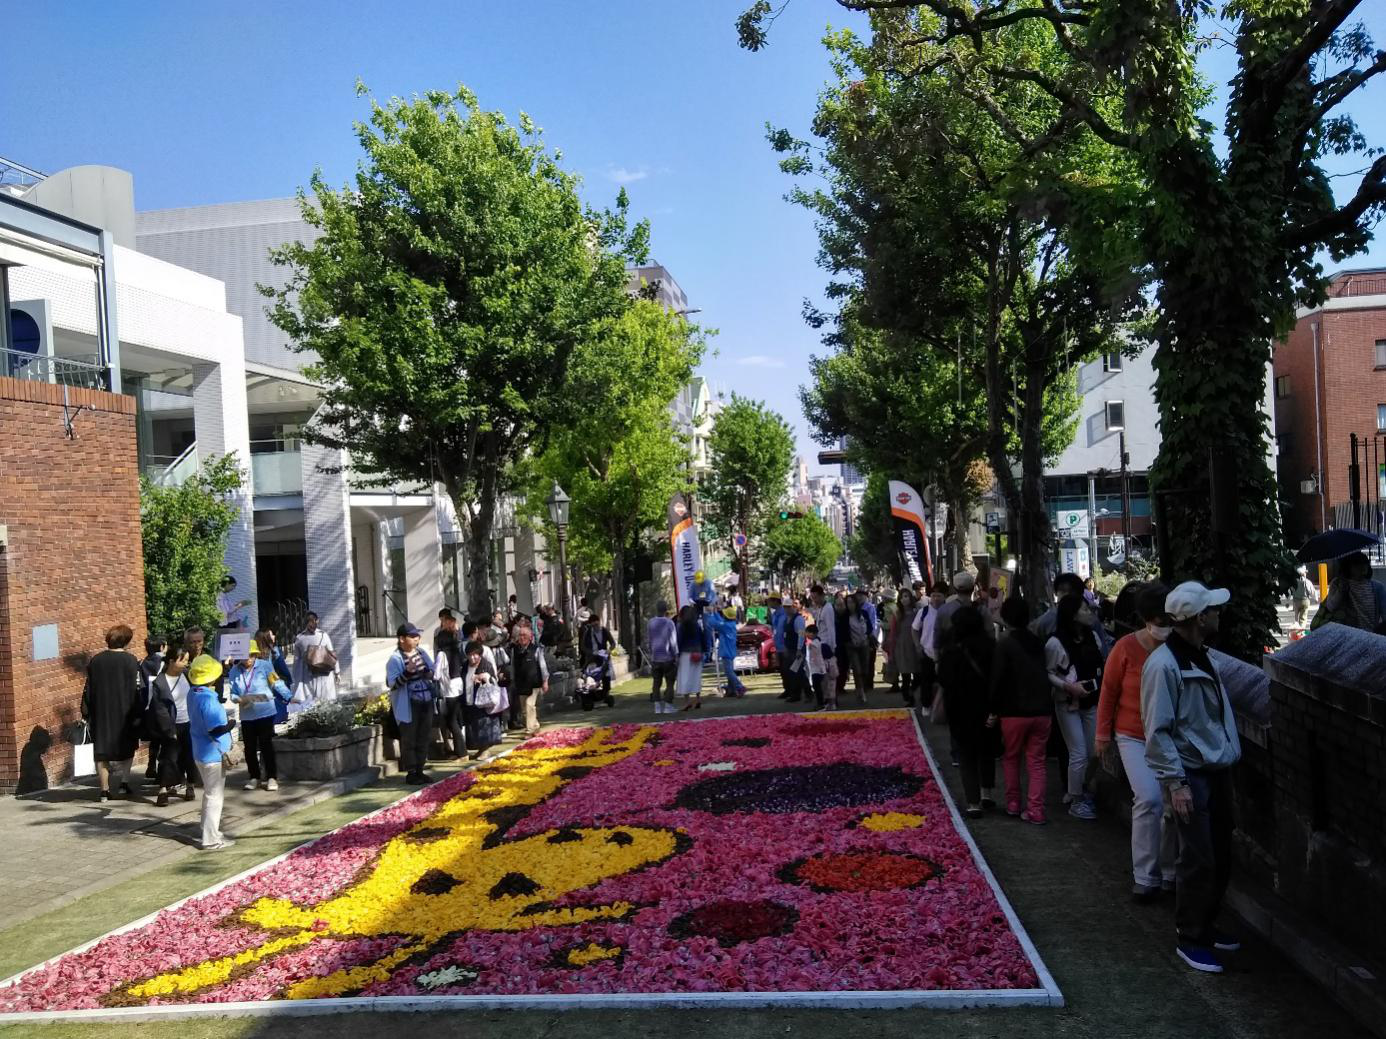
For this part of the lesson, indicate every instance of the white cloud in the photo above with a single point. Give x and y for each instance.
(760, 361)
(621, 175)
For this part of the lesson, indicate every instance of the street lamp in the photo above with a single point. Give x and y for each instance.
(558, 513)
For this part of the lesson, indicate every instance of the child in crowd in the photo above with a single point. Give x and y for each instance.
(812, 657)
(830, 673)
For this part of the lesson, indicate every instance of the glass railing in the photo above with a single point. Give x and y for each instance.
(277, 472)
(172, 472)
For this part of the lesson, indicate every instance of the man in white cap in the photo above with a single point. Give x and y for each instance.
(1191, 745)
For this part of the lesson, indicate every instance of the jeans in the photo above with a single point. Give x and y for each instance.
(663, 672)
(859, 658)
(258, 737)
(1205, 855)
(451, 725)
(1024, 737)
(1154, 839)
(213, 793)
(415, 736)
(1079, 730)
(735, 686)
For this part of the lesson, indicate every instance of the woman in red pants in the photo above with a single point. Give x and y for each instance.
(1022, 703)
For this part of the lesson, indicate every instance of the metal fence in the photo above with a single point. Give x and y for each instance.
(1365, 508)
(63, 371)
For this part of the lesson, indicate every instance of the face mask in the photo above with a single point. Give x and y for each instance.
(1159, 634)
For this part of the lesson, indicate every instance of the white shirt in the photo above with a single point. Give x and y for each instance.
(452, 684)
(179, 692)
(228, 606)
(826, 618)
(926, 627)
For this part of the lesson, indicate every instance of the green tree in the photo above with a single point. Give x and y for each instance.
(750, 451)
(618, 456)
(1231, 228)
(184, 530)
(801, 548)
(943, 238)
(443, 298)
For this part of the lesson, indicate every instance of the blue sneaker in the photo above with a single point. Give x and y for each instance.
(1082, 808)
(1224, 942)
(1199, 958)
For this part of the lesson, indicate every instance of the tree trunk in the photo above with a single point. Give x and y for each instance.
(618, 589)
(959, 519)
(1035, 549)
(483, 518)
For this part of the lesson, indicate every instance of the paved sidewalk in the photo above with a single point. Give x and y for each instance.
(64, 843)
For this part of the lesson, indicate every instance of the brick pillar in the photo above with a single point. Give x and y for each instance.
(423, 570)
(327, 539)
(222, 424)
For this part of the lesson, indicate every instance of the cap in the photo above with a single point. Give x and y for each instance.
(254, 648)
(204, 670)
(1190, 599)
(964, 581)
(407, 629)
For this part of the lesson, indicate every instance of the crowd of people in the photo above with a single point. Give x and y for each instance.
(184, 703)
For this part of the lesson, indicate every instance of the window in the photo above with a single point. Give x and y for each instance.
(1282, 387)
(1381, 417)
(1381, 353)
(1116, 415)
(1286, 440)
(1112, 362)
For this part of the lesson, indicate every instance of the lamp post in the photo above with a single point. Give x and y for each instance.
(558, 513)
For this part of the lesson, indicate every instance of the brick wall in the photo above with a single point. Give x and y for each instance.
(1350, 388)
(73, 559)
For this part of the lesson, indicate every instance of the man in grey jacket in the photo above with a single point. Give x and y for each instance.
(1191, 745)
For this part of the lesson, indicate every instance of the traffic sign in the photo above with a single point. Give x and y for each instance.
(1074, 524)
(993, 523)
(739, 540)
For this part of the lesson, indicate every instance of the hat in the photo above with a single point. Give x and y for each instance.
(729, 613)
(407, 629)
(254, 648)
(963, 581)
(1190, 599)
(204, 670)
(698, 575)
(584, 615)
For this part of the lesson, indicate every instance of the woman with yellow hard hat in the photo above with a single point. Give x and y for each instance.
(211, 741)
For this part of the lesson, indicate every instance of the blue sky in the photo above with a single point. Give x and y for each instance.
(216, 102)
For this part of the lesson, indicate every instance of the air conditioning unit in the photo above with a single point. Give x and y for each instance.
(30, 341)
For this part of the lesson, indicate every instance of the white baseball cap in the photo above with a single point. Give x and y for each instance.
(1190, 599)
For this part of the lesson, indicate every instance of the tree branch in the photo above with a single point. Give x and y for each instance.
(1335, 90)
(1325, 21)
(1371, 192)
(1073, 103)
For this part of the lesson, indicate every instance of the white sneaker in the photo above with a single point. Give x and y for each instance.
(272, 784)
(254, 784)
(226, 842)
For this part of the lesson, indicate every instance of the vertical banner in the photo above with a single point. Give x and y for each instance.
(908, 512)
(684, 553)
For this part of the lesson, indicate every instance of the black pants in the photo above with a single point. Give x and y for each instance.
(258, 737)
(663, 672)
(515, 713)
(791, 680)
(151, 768)
(415, 736)
(978, 769)
(452, 725)
(165, 754)
(186, 765)
(817, 683)
(1205, 855)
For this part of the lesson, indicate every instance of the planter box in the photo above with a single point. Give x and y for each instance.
(327, 757)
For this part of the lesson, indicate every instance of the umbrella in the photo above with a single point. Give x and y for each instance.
(1334, 544)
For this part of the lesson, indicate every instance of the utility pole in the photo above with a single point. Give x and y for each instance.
(1125, 495)
(1092, 521)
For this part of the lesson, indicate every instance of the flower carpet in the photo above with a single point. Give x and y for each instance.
(781, 853)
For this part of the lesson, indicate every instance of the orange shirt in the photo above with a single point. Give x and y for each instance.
(1120, 702)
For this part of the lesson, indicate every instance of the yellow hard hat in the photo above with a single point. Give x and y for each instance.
(729, 612)
(254, 648)
(204, 670)
(698, 575)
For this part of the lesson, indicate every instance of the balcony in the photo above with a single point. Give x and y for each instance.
(276, 467)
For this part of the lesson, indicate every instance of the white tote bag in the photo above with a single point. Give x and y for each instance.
(84, 755)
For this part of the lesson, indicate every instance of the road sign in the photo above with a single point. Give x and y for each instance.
(993, 523)
(739, 540)
(1075, 560)
(1074, 524)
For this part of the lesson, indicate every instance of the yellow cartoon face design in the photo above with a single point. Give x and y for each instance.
(454, 871)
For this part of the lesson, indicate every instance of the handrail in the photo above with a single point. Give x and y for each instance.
(66, 371)
(179, 469)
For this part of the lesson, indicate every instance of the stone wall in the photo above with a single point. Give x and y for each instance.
(1326, 765)
(73, 560)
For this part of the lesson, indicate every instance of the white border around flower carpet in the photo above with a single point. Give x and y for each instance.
(1047, 994)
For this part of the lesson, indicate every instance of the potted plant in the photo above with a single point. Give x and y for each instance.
(324, 742)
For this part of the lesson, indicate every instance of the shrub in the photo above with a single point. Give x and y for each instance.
(374, 712)
(326, 719)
